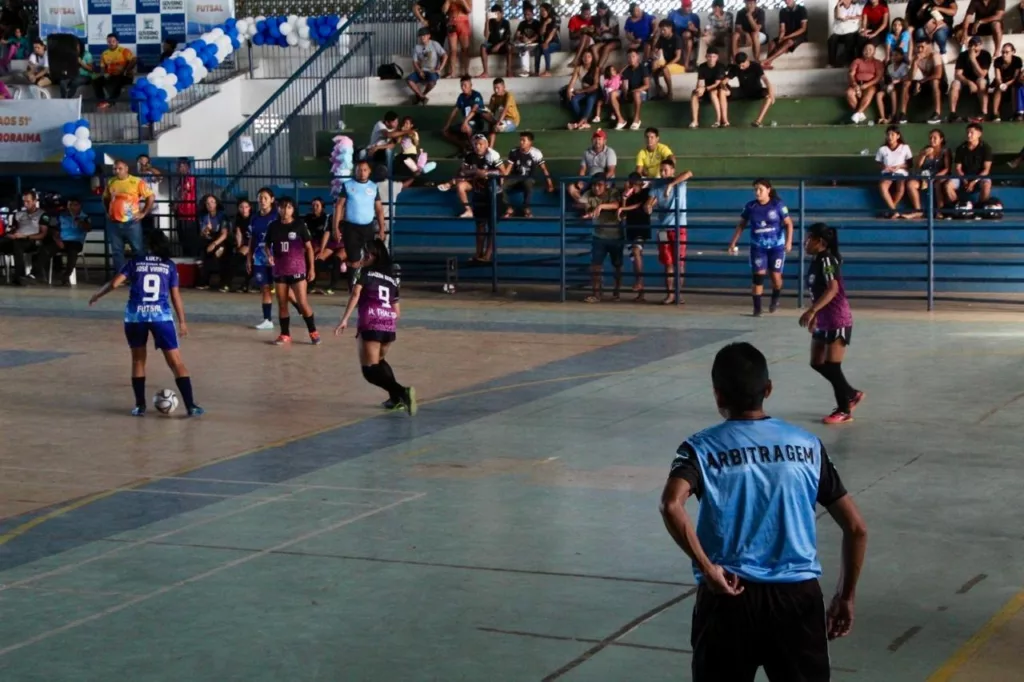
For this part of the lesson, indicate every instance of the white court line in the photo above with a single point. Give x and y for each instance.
(213, 571)
(271, 498)
(63, 590)
(138, 543)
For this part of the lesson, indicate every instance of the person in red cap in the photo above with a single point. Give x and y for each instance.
(599, 158)
(686, 23)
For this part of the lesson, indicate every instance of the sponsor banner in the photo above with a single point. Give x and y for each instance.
(140, 25)
(62, 16)
(204, 15)
(31, 129)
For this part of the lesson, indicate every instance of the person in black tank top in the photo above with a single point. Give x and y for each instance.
(240, 237)
(319, 225)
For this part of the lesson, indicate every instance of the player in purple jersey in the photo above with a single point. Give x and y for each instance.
(829, 320)
(153, 302)
(289, 250)
(771, 238)
(376, 296)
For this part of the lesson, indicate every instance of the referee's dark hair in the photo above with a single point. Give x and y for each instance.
(740, 378)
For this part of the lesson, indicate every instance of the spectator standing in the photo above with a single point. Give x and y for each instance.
(583, 91)
(459, 33)
(69, 86)
(638, 226)
(527, 38)
(896, 160)
(792, 32)
(749, 29)
(600, 204)
(971, 74)
(502, 113)
(973, 165)
(926, 74)
(242, 234)
(711, 86)
(152, 176)
(185, 209)
(122, 199)
(498, 40)
(606, 33)
(327, 253)
(686, 25)
(38, 72)
(845, 30)
(983, 18)
(599, 159)
(718, 32)
(467, 111)
(636, 83)
(667, 206)
(865, 76)
(581, 32)
(431, 15)
(753, 86)
(935, 162)
(428, 60)
(668, 58)
(28, 236)
(640, 29)
(874, 24)
(73, 228)
(648, 159)
(214, 233)
(550, 26)
(520, 171)
(1007, 73)
(117, 69)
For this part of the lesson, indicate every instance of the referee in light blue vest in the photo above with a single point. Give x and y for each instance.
(754, 548)
(355, 211)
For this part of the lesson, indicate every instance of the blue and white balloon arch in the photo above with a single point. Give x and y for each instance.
(151, 96)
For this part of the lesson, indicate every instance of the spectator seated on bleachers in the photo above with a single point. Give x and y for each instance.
(466, 118)
(983, 18)
(686, 25)
(874, 24)
(581, 31)
(117, 69)
(598, 158)
(896, 90)
(936, 162)
(792, 32)
(412, 160)
(899, 36)
(15, 45)
(895, 159)
(938, 22)
(479, 165)
(428, 60)
(38, 72)
(972, 163)
(640, 29)
(636, 84)
(970, 77)
(845, 31)
(526, 38)
(667, 59)
(606, 33)
(502, 113)
(927, 75)
(753, 86)
(750, 29)
(26, 234)
(72, 228)
(550, 27)
(718, 32)
(1006, 79)
(69, 86)
(865, 77)
(711, 87)
(583, 93)
(497, 40)
(520, 170)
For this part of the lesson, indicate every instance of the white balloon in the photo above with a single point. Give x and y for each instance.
(69, 140)
(305, 43)
(159, 72)
(217, 32)
(303, 31)
(301, 21)
(285, 29)
(189, 54)
(82, 133)
(83, 145)
(171, 79)
(253, 30)
(292, 39)
(224, 40)
(171, 91)
(242, 25)
(259, 18)
(292, 18)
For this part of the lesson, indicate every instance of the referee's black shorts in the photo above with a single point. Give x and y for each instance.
(355, 238)
(778, 626)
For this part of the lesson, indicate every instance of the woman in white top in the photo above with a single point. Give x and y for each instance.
(845, 32)
(38, 65)
(895, 159)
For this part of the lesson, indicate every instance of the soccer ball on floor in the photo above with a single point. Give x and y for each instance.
(448, 288)
(165, 401)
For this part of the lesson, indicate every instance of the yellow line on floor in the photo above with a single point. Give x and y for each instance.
(948, 669)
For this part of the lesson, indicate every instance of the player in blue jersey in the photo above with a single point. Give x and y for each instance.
(771, 238)
(257, 265)
(754, 546)
(153, 302)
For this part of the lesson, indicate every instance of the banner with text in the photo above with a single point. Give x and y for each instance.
(140, 25)
(62, 16)
(31, 129)
(204, 15)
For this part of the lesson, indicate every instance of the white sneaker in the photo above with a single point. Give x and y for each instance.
(635, 125)
(858, 117)
(444, 187)
(265, 325)
(621, 125)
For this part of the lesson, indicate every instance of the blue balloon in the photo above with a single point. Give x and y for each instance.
(69, 128)
(81, 123)
(230, 23)
(70, 166)
(274, 31)
(261, 26)
(89, 167)
(90, 154)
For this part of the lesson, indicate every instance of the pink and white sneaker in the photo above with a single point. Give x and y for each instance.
(856, 400)
(837, 417)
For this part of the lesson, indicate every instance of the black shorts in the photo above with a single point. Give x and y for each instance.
(372, 335)
(636, 235)
(290, 279)
(830, 336)
(778, 626)
(750, 95)
(355, 238)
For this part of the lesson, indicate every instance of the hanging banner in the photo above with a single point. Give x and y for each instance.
(31, 129)
(204, 15)
(140, 25)
(62, 16)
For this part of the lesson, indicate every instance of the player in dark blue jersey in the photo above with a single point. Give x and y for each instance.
(754, 546)
(771, 238)
(257, 265)
(376, 296)
(153, 302)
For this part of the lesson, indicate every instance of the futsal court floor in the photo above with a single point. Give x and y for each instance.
(509, 532)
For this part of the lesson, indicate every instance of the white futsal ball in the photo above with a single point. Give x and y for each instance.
(165, 401)
(448, 288)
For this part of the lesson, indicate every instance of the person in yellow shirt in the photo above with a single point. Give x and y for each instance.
(650, 158)
(116, 70)
(122, 200)
(502, 112)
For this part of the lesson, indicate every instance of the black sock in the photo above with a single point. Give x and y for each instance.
(286, 324)
(268, 310)
(310, 323)
(384, 378)
(139, 386)
(185, 389)
(833, 372)
(757, 304)
(776, 295)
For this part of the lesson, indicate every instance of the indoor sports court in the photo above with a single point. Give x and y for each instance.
(510, 531)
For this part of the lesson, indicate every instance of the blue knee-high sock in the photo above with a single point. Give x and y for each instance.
(185, 389)
(268, 310)
(139, 386)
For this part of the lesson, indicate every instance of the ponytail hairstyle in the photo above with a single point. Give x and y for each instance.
(830, 237)
(766, 183)
(158, 245)
(381, 262)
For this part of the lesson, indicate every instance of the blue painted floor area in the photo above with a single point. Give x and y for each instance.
(510, 531)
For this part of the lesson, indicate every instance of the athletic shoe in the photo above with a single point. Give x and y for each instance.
(772, 307)
(196, 411)
(410, 401)
(758, 313)
(314, 338)
(265, 325)
(138, 411)
(393, 405)
(856, 400)
(837, 417)
(282, 340)
(935, 118)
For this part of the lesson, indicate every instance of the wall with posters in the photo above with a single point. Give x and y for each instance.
(62, 16)
(31, 129)
(140, 25)
(204, 15)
